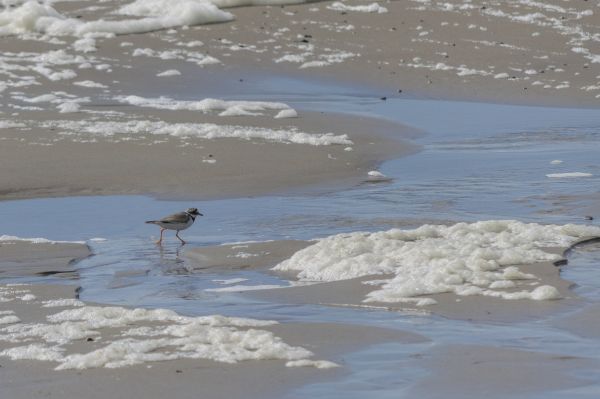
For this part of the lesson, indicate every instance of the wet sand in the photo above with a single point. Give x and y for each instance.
(199, 168)
(586, 208)
(585, 322)
(458, 371)
(403, 52)
(191, 377)
(350, 293)
(22, 258)
(517, 52)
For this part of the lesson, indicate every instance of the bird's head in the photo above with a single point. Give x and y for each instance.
(193, 212)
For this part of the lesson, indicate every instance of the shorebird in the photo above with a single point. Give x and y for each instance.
(177, 221)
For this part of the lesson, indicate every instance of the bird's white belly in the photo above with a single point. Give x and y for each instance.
(176, 226)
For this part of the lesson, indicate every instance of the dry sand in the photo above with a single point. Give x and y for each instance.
(350, 293)
(22, 258)
(184, 378)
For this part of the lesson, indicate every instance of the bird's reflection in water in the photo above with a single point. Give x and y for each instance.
(171, 261)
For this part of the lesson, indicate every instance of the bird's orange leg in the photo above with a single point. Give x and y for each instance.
(161, 233)
(177, 235)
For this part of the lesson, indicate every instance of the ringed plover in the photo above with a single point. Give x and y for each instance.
(178, 221)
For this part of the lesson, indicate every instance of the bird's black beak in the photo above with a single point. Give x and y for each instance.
(199, 214)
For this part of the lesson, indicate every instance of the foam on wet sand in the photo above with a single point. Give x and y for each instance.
(158, 335)
(466, 259)
(221, 155)
(57, 335)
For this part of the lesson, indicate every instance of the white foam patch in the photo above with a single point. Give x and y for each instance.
(98, 239)
(90, 83)
(6, 124)
(177, 54)
(85, 45)
(375, 175)
(7, 238)
(286, 113)
(243, 288)
(226, 108)
(68, 107)
(156, 15)
(320, 364)
(569, 175)
(64, 302)
(465, 259)
(230, 281)
(65, 102)
(158, 335)
(197, 130)
(149, 15)
(169, 72)
(10, 319)
(369, 8)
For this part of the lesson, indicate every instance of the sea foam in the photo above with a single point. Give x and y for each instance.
(8, 238)
(150, 15)
(196, 130)
(207, 105)
(128, 337)
(465, 259)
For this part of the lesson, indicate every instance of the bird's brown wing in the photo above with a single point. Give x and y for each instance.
(180, 217)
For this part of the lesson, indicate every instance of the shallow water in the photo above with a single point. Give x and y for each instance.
(479, 161)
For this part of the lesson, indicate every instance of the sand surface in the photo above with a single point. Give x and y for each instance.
(459, 371)
(585, 208)
(527, 52)
(524, 52)
(42, 164)
(22, 258)
(585, 322)
(350, 293)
